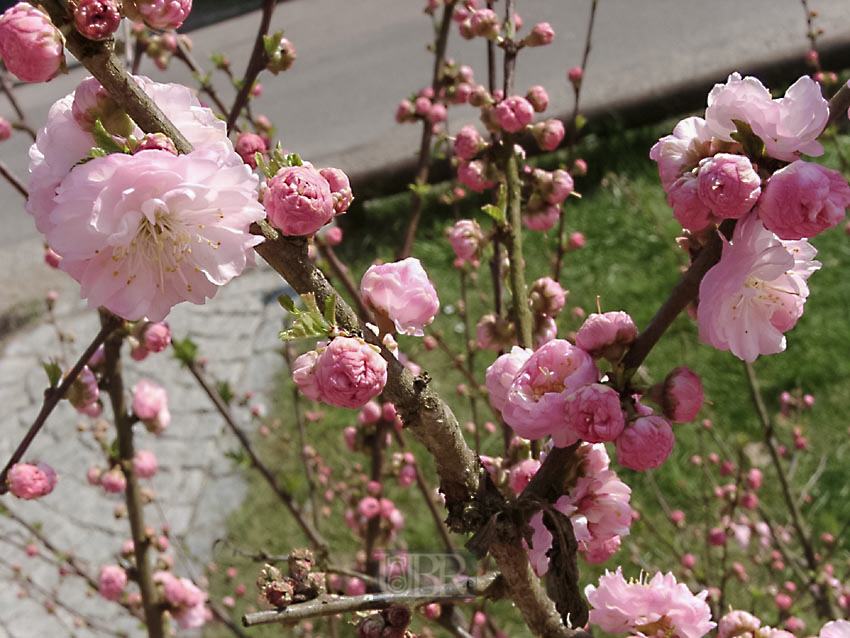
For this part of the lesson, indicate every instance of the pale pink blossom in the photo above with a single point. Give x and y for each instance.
(29, 481)
(401, 292)
(660, 606)
(682, 151)
(340, 188)
(728, 185)
(248, 145)
(466, 239)
(500, 375)
(548, 134)
(547, 297)
(607, 335)
(538, 97)
(534, 405)
(304, 374)
(541, 35)
(111, 582)
(541, 542)
(5, 129)
(299, 200)
(150, 404)
(349, 372)
(163, 15)
(788, 126)
(438, 113)
(755, 292)
(144, 464)
(593, 413)
(835, 629)
(803, 199)
(645, 443)
(468, 143)
(185, 600)
(738, 623)
(514, 113)
(31, 47)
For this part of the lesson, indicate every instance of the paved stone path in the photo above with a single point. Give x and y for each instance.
(198, 486)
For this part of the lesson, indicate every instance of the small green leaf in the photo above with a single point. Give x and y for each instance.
(499, 210)
(225, 392)
(54, 373)
(309, 323)
(330, 310)
(185, 351)
(104, 141)
(287, 303)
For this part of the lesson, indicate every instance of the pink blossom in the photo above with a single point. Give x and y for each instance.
(438, 113)
(144, 464)
(788, 126)
(538, 97)
(543, 218)
(299, 200)
(521, 473)
(535, 402)
(369, 507)
(645, 444)
(31, 47)
(593, 413)
(682, 395)
(541, 35)
(113, 481)
(548, 134)
(185, 600)
(150, 404)
(156, 336)
(755, 292)
(30, 481)
(660, 606)
(163, 15)
(689, 209)
(547, 297)
(401, 292)
(473, 175)
(111, 582)
(466, 239)
(5, 129)
(728, 185)
(575, 75)
(468, 143)
(607, 335)
(514, 113)
(803, 199)
(304, 375)
(484, 23)
(541, 542)
(350, 372)
(96, 19)
(500, 375)
(248, 145)
(835, 629)
(340, 188)
(682, 151)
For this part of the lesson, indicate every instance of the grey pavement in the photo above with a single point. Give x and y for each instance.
(356, 60)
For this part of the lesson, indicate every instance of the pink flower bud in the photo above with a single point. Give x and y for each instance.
(473, 175)
(114, 481)
(803, 199)
(541, 35)
(111, 582)
(150, 404)
(5, 129)
(782, 601)
(156, 336)
(468, 143)
(340, 189)
(31, 47)
(30, 481)
(548, 134)
(754, 479)
(144, 464)
(402, 293)
(514, 113)
(607, 335)
(248, 145)
(538, 98)
(422, 105)
(84, 390)
(163, 15)
(547, 297)
(438, 113)
(576, 241)
(96, 19)
(304, 375)
(404, 112)
(728, 185)
(350, 372)
(466, 239)
(369, 507)
(298, 200)
(51, 258)
(554, 187)
(283, 57)
(575, 76)
(645, 444)
(593, 412)
(717, 537)
(484, 23)
(682, 395)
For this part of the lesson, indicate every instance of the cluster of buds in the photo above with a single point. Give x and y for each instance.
(455, 87)
(474, 22)
(160, 47)
(391, 622)
(300, 585)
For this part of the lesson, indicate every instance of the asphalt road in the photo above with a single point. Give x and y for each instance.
(356, 60)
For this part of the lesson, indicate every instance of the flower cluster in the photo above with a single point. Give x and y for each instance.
(301, 199)
(401, 295)
(742, 162)
(29, 481)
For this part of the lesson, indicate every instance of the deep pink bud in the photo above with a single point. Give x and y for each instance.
(682, 395)
(469, 142)
(717, 537)
(548, 134)
(30, 481)
(541, 35)
(645, 444)
(350, 372)
(163, 15)
(514, 113)
(299, 200)
(156, 336)
(248, 145)
(114, 481)
(473, 175)
(575, 76)
(5, 129)
(31, 47)
(96, 19)
(538, 97)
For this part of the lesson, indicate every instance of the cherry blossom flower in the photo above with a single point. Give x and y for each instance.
(534, 406)
(185, 600)
(402, 293)
(150, 404)
(349, 372)
(728, 185)
(143, 232)
(606, 335)
(592, 413)
(803, 199)
(156, 336)
(304, 375)
(660, 606)
(646, 443)
(32, 48)
(144, 464)
(835, 629)
(29, 481)
(680, 152)
(755, 292)
(541, 35)
(500, 375)
(299, 200)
